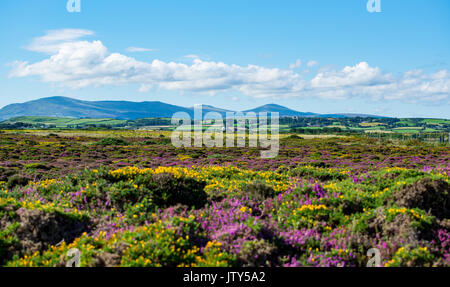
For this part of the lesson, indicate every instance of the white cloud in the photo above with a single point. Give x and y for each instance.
(138, 50)
(77, 63)
(363, 80)
(51, 41)
(361, 74)
(297, 64)
(192, 56)
(312, 64)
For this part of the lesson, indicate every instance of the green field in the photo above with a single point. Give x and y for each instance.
(410, 127)
(65, 122)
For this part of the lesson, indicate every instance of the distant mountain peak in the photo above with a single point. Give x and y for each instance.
(283, 111)
(274, 105)
(59, 106)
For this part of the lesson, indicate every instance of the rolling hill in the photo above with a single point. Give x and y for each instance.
(347, 115)
(283, 111)
(63, 107)
(72, 108)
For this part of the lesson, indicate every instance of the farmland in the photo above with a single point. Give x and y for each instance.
(129, 198)
(287, 124)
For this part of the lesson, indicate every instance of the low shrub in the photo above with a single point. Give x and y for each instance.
(17, 180)
(166, 190)
(258, 190)
(112, 142)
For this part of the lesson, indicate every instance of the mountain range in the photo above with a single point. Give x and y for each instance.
(73, 108)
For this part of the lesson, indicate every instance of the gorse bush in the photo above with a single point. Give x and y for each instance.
(140, 193)
(412, 257)
(295, 137)
(8, 241)
(112, 142)
(17, 180)
(168, 191)
(159, 244)
(162, 190)
(5, 173)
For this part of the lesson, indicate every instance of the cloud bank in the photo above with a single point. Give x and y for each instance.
(76, 63)
(138, 50)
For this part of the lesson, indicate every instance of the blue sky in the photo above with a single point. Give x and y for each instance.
(322, 56)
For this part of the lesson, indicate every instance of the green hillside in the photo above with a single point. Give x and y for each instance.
(56, 122)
